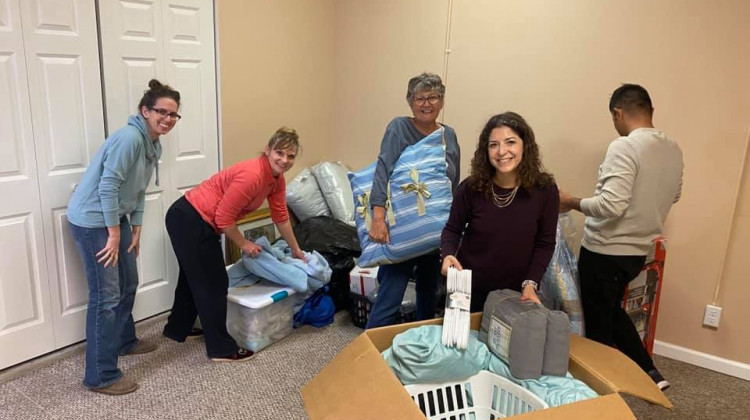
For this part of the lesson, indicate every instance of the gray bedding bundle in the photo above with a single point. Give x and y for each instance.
(530, 338)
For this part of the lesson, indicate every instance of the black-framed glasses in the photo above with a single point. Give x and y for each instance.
(432, 99)
(164, 113)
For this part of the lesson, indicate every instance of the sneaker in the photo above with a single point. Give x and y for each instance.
(659, 380)
(240, 355)
(194, 333)
(141, 347)
(121, 387)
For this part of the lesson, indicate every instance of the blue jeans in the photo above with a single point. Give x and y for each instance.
(110, 330)
(392, 281)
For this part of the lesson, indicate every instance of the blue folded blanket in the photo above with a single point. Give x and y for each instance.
(419, 203)
(274, 263)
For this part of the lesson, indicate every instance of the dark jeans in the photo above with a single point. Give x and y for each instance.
(392, 281)
(110, 330)
(202, 283)
(603, 281)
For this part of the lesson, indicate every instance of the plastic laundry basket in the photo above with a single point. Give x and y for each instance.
(484, 396)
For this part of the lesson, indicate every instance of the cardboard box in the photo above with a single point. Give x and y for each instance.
(358, 384)
(363, 281)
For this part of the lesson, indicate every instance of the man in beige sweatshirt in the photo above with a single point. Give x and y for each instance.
(639, 180)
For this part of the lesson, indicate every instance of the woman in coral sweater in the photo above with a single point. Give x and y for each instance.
(195, 223)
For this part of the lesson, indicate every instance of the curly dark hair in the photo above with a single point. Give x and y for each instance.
(531, 172)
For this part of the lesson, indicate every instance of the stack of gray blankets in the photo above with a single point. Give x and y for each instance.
(530, 338)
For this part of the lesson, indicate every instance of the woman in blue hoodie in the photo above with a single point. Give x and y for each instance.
(105, 215)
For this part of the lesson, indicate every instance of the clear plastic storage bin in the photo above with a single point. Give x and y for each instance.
(259, 315)
(484, 396)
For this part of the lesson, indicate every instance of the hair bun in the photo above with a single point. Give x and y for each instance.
(154, 84)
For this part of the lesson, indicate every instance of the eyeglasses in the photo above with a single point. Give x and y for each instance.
(432, 99)
(164, 113)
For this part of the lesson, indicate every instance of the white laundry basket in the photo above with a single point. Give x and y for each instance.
(484, 396)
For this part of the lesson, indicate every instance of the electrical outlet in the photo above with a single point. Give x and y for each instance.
(712, 316)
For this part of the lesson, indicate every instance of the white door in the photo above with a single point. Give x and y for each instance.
(26, 326)
(171, 41)
(62, 58)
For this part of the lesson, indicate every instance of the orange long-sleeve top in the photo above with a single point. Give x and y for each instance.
(232, 193)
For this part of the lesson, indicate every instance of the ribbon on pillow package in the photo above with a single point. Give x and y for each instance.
(417, 208)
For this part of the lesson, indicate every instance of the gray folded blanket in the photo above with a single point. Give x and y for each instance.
(531, 339)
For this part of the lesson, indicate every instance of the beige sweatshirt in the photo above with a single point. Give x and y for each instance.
(639, 180)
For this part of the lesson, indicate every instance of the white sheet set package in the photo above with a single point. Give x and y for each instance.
(304, 197)
(334, 184)
(541, 344)
(259, 315)
(457, 322)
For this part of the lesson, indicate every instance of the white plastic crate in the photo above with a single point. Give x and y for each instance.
(484, 396)
(259, 315)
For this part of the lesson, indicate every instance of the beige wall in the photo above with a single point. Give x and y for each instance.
(379, 46)
(555, 63)
(276, 68)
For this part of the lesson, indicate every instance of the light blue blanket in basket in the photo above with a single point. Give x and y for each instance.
(418, 356)
(418, 206)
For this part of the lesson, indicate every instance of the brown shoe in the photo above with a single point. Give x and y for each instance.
(121, 387)
(141, 347)
(240, 355)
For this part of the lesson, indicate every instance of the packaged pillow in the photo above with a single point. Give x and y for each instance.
(557, 346)
(303, 196)
(418, 205)
(515, 331)
(334, 185)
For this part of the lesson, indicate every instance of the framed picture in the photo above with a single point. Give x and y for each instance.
(252, 227)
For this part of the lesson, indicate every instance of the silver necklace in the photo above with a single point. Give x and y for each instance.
(503, 200)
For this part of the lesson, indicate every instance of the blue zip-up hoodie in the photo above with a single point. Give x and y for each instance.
(115, 182)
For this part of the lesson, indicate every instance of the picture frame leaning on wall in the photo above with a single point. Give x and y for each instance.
(252, 227)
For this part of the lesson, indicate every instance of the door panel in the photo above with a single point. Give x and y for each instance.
(62, 57)
(189, 51)
(26, 326)
(131, 54)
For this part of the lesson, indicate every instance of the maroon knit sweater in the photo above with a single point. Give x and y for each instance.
(502, 246)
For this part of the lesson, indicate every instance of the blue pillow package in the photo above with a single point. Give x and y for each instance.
(419, 201)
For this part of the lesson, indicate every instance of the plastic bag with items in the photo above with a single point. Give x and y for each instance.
(560, 289)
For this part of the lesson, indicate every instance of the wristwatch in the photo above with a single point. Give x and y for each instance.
(531, 283)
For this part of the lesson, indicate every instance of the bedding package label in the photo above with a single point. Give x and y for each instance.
(498, 338)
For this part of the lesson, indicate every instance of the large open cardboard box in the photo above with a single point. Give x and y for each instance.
(358, 384)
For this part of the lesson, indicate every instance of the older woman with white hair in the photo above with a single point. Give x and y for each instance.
(425, 95)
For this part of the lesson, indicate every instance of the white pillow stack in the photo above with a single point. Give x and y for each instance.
(321, 190)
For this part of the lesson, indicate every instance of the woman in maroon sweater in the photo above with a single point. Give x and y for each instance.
(503, 218)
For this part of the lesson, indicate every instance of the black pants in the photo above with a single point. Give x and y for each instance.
(603, 281)
(202, 284)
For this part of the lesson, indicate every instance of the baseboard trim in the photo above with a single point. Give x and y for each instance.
(704, 360)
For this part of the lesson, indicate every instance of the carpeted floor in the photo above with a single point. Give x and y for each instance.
(179, 382)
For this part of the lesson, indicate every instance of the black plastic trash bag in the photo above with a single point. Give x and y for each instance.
(337, 242)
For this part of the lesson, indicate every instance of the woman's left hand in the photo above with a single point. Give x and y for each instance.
(135, 244)
(299, 254)
(529, 294)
